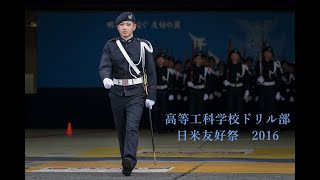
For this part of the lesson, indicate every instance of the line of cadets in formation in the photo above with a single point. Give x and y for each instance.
(203, 85)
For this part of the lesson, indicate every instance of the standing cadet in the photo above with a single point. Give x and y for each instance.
(125, 62)
(163, 91)
(288, 86)
(184, 89)
(270, 72)
(213, 84)
(178, 86)
(236, 82)
(285, 87)
(171, 89)
(198, 94)
(209, 80)
(219, 92)
(248, 104)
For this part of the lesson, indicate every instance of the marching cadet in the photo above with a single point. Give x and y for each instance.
(237, 83)
(196, 84)
(125, 66)
(270, 72)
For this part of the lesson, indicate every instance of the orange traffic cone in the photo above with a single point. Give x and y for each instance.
(69, 129)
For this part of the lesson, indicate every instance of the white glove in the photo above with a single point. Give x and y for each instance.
(211, 96)
(291, 99)
(171, 97)
(149, 103)
(278, 96)
(179, 97)
(205, 97)
(226, 83)
(107, 83)
(260, 79)
(256, 99)
(185, 98)
(246, 96)
(190, 84)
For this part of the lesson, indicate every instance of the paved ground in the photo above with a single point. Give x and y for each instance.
(94, 154)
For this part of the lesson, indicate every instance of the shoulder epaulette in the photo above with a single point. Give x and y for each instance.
(113, 39)
(143, 40)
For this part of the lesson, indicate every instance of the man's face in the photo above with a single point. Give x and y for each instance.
(177, 67)
(268, 55)
(161, 61)
(166, 62)
(126, 28)
(235, 58)
(212, 62)
(171, 64)
(285, 67)
(198, 60)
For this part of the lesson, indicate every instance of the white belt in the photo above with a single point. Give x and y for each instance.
(198, 86)
(236, 84)
(162, 86)
(127, 82)
(271, 83)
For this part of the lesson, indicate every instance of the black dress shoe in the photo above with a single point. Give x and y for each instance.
(127, 166)
(126, 172)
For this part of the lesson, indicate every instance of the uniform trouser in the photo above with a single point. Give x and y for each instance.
(234, 105)
(196, 106)
(179, 104)
(127, 111)
(267, 105)
(234, 98)
(267, 102)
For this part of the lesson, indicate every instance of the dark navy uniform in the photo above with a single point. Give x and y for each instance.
(220, 90)
(185, 89)
(178, 90)
(287, 90)
(163, 91)
(197, 89)
(269, 80)
(127, 95)
(249, 106)
(209, 84)
(179, 85)
(171, 90)
(237, 76)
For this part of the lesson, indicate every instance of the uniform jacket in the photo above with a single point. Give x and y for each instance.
(114, 65)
